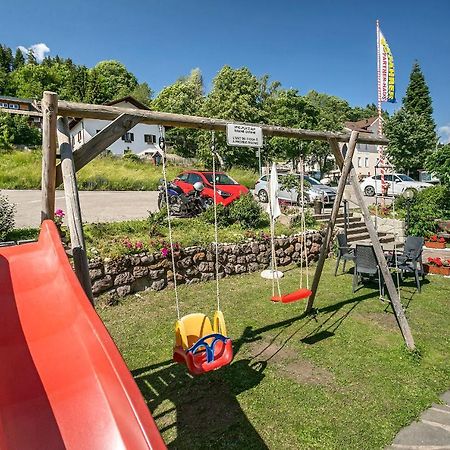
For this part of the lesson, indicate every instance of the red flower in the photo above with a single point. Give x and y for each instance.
(441, 240)
(438, 262)
(433, 238)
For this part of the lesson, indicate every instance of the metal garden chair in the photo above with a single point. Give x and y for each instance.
(344, 252)
(366, 267)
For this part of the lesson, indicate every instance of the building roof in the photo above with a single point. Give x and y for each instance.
(361, 125)
(16, 99)
(128, 99)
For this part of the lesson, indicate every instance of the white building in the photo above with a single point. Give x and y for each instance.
(366, 155)
(140, 139)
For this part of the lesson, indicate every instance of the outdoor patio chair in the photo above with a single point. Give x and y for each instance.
(344, 252)
(366, 267)
(410, 260)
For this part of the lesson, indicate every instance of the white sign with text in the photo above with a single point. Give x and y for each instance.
(244, 136)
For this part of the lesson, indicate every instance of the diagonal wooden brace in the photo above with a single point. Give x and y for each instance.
(100, 142)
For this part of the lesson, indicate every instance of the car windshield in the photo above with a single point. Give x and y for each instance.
(311, 180)
(404, 177)
(221, 179)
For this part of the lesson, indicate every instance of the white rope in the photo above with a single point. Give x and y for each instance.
(174, 270)
(303, 247)
(216, 233)
(274, 266)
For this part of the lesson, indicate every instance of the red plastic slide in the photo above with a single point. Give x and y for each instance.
(63, 383)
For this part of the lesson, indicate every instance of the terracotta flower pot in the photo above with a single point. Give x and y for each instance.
(434, 244)
(438, 270)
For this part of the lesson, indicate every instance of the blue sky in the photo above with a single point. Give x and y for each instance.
(324, 45)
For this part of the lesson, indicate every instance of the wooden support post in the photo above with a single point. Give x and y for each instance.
(49, 107)
(100, 142)
(345, 170)
(395, 301)
(73, 208)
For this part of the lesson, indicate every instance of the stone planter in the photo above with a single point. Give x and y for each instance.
(438, 270)
(434, 244)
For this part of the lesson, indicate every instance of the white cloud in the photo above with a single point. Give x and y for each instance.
(39, 50)
(444, 134)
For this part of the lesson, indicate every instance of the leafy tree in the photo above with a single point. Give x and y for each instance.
(235, 96)
(438, 163)
(410, 141)
(185, 96)
(15, 130)
(19, 59)
(109, 80)
(288, 108)
(143, 93)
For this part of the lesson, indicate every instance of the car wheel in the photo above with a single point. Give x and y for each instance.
(263, 196)
(409, 190)
(369, 191)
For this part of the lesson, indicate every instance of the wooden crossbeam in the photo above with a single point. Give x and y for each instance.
(73, 210)
(100, 142)
(393, 295)
(345, 170)
(105, 112)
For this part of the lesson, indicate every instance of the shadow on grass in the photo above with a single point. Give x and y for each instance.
(203, 411)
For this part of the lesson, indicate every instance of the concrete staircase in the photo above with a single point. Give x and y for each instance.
(356, 228)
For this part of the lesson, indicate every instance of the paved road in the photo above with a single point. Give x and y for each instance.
(96, 206)
(101, 206)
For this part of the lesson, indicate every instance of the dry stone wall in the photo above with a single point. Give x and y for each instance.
(133, 273)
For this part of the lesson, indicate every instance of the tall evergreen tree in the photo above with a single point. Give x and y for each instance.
(19, 59)
(417, 99)
(411, 130)
(31, 58)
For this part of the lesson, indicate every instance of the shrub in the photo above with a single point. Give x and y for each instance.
(131, 157)
(245, 211)
(427, 206)
(7, 211)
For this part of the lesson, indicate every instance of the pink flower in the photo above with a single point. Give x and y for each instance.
(164, 251)
(59, 213)
(139, 244)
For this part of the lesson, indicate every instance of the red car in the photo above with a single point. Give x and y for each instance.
(228, 190)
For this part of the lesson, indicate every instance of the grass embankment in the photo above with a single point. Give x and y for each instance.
(22, 170)
(340, 380)
(109, 239)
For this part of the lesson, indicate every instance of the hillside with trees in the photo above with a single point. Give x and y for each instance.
(236, 94)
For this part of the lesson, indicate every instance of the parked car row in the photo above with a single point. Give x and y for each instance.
(313, 191)
(397, 184)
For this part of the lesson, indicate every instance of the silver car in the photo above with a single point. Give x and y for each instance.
(314, 191)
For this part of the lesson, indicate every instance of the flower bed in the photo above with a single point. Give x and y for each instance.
(435, 242)
(437, 266)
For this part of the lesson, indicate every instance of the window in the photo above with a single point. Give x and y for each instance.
(79, 135)
(150, 138)
(359, 161)
(366, 162)
(193, 178)
(388, 177)
(183, 177)
(13, 106)
(264, 178)
(128, 137)
(377, 177)
(3, 105)
(73, 141)
(221, 179)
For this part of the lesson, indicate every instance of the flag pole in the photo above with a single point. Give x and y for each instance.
(380, 124)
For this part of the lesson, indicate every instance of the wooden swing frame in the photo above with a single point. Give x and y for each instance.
(56, 134)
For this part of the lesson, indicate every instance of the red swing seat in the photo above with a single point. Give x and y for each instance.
(299, 294)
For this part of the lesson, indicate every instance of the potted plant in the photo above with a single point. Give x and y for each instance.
(435, 242)
(437, 266)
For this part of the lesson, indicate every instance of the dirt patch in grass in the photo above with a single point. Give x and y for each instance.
(385, 320)
(291, 364)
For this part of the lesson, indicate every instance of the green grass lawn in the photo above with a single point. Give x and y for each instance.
(22, 170)
(339, 380)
